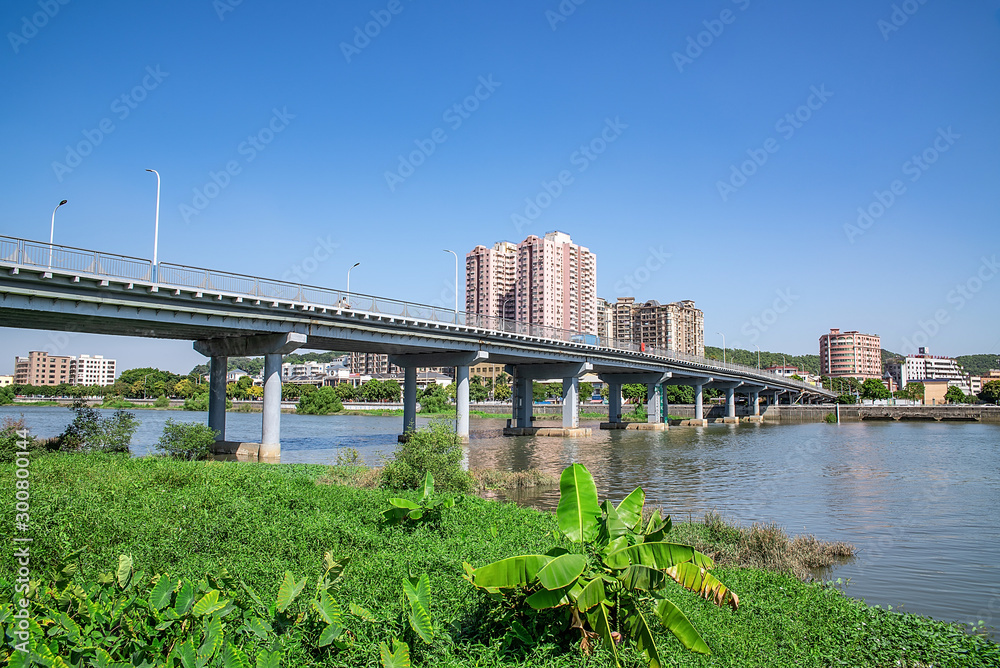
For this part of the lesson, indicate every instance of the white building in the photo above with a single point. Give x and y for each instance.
(95, 370)
(924, 366)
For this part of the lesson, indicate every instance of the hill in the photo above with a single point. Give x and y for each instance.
(807, 363)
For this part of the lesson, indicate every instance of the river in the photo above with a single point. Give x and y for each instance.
(919, 500)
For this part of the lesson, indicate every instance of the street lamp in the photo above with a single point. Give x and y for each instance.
(52, 231)
(758, 356)
(144, 385)
(349, 283)
(456, 282)
(156, 228)
(723, 346)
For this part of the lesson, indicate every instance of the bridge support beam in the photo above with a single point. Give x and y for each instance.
(461, 361)
(571, 402)
(654, 384)
(522, 401)
(272, 347)
(699, 411)
(614, 402)
(218, 368)
(654, 403)
(731, 403)
(409, 399)
(523, 375)
(755, 403)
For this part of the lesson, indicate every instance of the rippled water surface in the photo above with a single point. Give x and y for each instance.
(920, 500)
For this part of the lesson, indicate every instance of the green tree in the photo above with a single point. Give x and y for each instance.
(502, 392)
(6, 396)
(371, 390)
(873, 388)
(586, 391)
(634, 393)
(320, 402)
(991, 392)
(391, 391)
(954, 395)
(477, 391)
(187, 440)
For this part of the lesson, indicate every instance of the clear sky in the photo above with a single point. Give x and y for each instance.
(738, 137)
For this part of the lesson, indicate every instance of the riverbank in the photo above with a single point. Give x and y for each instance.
(260, 520)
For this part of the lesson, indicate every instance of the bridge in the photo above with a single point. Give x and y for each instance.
(52, 287)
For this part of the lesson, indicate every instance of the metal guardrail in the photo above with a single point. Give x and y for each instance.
(39, 255)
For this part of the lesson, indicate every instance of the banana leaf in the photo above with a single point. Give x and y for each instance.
(578, 509)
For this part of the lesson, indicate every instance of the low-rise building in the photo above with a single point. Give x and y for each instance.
(6, 381)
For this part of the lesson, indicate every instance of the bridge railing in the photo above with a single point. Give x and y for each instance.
(33, 254)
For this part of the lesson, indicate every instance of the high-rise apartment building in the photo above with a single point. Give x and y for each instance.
(369, 364)
(541, 281)
(677, 326)
(490, 279)
(556, 283)
(40, 368)
(94, 370)
(850, 354)
(605, 319)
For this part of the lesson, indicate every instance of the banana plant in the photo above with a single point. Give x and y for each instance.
(400, 510)
(619, 569)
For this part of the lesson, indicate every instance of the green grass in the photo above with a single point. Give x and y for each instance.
(258, 520)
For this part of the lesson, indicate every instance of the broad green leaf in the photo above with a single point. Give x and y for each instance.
(548, 598)
(185, 597)
(418, 589)
(101, 659)
(233, 657)
(363, 613)
(562, 571)
(209, 603)
(615, 526)
(655, 519)
(268, 659)
(643, 637)
(678, 624)
(404, 503)
(511, 572)
(521, 633)
(642, 578)
(592, 594)
(427, 488)
(185, 652)
(703, 560)
(260, 627)
(327, 608)
(448, 502)
(213, 638)
(630, 509)
(699, 580)
(289, 590)
(601, 623)
(658, 555)
(415, 514)
(397, 657)
(159, 598)
(258, 604)
(335, 568)
(124, 569)
(420, 621)
(578, 510)
(329, 634)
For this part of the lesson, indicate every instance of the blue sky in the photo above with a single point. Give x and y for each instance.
(309, 118)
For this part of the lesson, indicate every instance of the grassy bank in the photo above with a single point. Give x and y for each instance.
(258, 521)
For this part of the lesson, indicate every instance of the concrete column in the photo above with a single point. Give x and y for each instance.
(217, 396)
(730, 402)
(614, 402)
(653, 404)
(698, 412)
(755, 403)
(522, 406)
(409, 399)
(571, 403)
(462, 403)
(270, 438)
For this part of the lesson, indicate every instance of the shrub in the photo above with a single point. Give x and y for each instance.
(199, 402)
(187, 440)
(11, 443)
(434, 399)
(161, 401)
(320, 402)
(89, 431)
(435, 449)
(6, 396)
(830, 418)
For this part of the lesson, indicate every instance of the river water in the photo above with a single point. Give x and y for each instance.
(919, 500)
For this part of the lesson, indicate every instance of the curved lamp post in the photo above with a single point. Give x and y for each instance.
(156, 228)
(456, 282)
(723, 346)
(52, 231)
(349, 283)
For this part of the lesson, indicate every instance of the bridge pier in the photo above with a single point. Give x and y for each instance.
(461, 361)
(614, 402)
(523, 375)
(699, 410)
(272, 347)
(571, 402)
(654, 393)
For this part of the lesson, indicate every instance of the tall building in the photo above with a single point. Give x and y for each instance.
(605, 319)
(923, 367)
(369, 364)
(40, 368)
(541, 281)
(677, 326)
(94, 370)
(850, 354)
(490, 280)
(556, 283)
